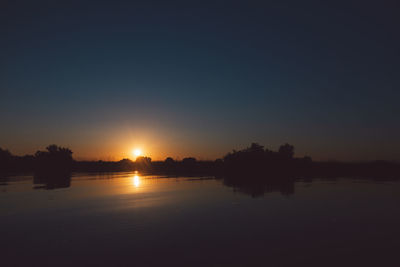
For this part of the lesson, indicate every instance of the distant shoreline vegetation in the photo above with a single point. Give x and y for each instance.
(252, 163)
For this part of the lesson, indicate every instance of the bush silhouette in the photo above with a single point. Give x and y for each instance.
(259, 161)
(54, 159)
(169, 161)
(287, 151)
(143, 163)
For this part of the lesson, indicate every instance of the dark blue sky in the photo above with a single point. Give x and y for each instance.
(200, 78)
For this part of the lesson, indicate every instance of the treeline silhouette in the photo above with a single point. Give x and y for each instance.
(57, 159)
(254, 170)
(254, 162)
(260, 162)
(53, 159)
(187, 166)
(52, 168)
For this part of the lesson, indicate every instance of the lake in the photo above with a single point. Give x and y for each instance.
(127, 219)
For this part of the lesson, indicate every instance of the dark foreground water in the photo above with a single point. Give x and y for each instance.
(130, 220)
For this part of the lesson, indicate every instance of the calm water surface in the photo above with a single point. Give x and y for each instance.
(126, 219)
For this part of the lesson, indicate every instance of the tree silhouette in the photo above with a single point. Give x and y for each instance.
(169, 161)
(189, 161)
(143, 163)
(55, 152)
(5, 154)
(6, 159)
(54, 159)
(125, 164)
(286, 150)
(142, 159)
(255, 148)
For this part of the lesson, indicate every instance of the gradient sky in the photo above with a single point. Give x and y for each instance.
(198, 78)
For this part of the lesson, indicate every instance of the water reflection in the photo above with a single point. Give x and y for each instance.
(136, 180)
(114, 219)
(258, 186)
(51, 181)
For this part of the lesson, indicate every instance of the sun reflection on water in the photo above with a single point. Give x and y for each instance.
(136, 180)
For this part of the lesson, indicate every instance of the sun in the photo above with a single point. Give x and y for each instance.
(137, 152)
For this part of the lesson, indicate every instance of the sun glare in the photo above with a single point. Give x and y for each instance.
(137, 152)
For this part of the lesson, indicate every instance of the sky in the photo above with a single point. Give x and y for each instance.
(199, 78)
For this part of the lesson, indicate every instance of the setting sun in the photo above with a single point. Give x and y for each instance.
(137, 152)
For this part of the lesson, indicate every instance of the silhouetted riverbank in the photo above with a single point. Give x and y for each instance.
(252, 164)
